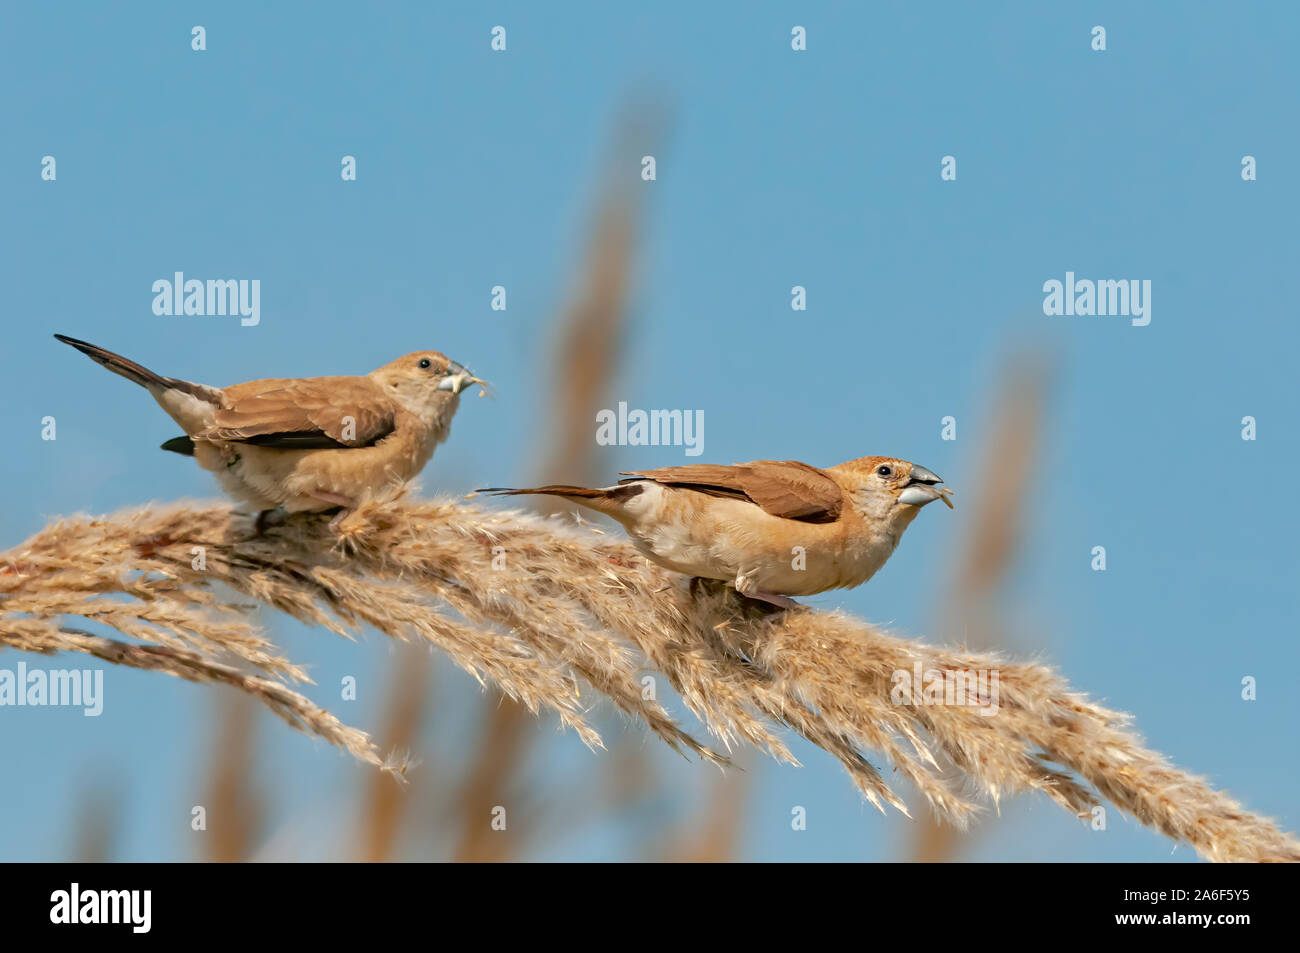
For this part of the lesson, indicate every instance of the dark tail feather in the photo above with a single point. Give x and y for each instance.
(181, 445)
(138, 373)
(605, 501)
(551, 489)
(117, 363)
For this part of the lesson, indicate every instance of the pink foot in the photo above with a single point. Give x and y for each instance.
(772, 598)
(745, 585)
(337, 499)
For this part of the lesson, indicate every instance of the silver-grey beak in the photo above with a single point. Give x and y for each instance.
(455, 382)
(922, 488)
(922, 475)
(458, 379)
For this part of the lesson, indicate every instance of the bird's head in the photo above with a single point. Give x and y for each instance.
(883, 488)
(424, 382)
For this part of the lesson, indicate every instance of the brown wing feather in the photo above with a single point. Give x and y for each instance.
(785, 488)
(307, 413)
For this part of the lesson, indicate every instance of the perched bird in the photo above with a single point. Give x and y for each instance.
(772, 528)
(308, 443)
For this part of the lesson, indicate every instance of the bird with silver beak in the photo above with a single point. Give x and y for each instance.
(771, 528)
(309, 444)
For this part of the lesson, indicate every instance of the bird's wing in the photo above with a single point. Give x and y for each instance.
(307, 413)
(785, 488)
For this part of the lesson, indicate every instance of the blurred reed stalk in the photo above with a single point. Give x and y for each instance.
(99, 815)
(969, 613)
(234, 811)
(385, 801)
(490, 781)
(581, 369)
(713, 835)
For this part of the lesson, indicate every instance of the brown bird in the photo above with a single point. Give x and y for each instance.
(309, 443)
(772, 528)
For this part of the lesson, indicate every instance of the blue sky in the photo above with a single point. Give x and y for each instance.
(817, 168)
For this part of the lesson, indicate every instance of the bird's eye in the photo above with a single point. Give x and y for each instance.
(425, 362)
(884, 471)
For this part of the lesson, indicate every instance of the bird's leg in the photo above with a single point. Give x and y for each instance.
(347, 503)
(772, 598)
(746, 586)
(263, 519)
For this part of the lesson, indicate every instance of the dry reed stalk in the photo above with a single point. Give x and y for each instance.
(386, 802)
(588, 342)
(580, 371)
(571, 609)
(99, 814)
(713, 836)
(997, 514)
(490, 781)
(592, 324)
(235, 813)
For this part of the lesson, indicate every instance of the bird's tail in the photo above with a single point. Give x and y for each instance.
(156, 384)
(603, 500)
(182, 445)
(118, 364)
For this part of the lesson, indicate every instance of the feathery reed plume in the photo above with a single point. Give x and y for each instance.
(570, 608)
(43, 636)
